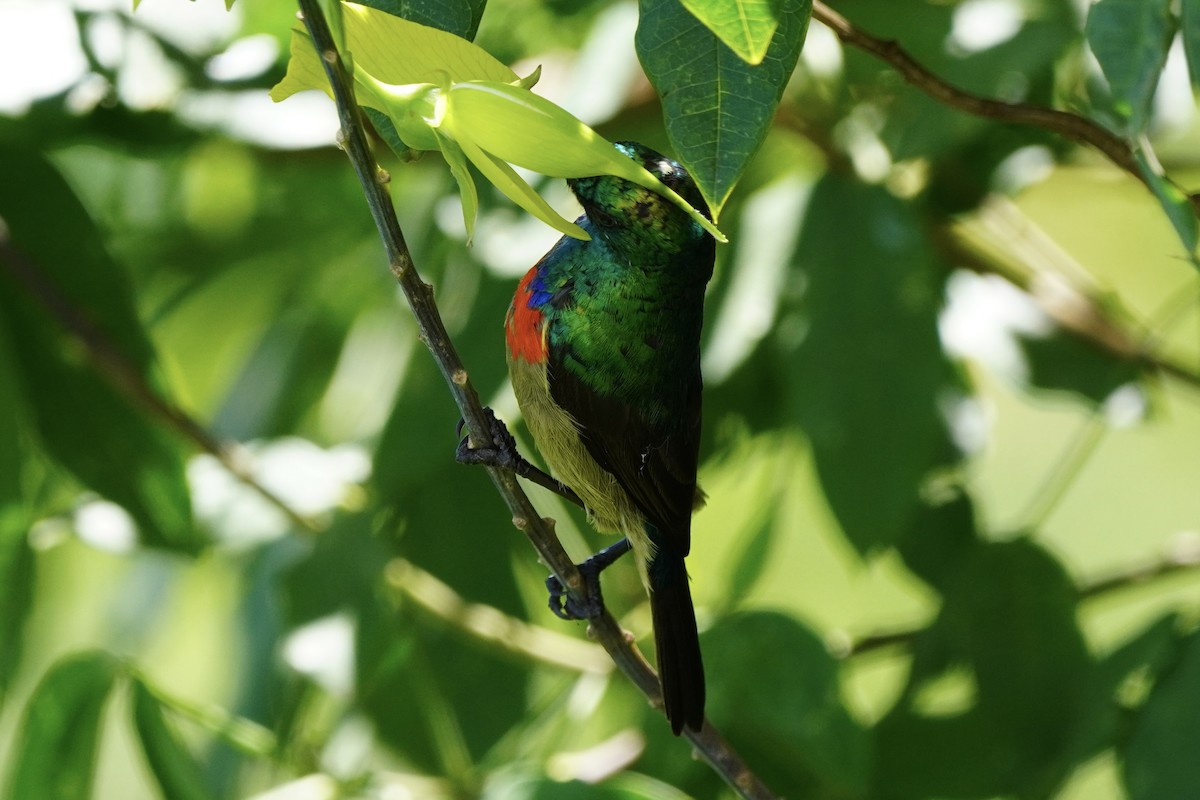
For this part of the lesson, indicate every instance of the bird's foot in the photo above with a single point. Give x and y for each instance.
(494, 447)
(497, 448)
(563, 603)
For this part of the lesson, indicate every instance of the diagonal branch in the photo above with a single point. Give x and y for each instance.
(124, 376)
(708, 742)
(1072, 126)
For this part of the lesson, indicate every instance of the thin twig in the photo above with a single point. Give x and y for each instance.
(976, 245)
(540, 532)
(124, 376)
(493, 626)
(1072, 126)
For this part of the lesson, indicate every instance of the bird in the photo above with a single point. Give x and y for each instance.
(603, 350)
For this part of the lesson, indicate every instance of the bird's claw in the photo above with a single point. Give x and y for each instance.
(497, 449)
(563, 603)
(565, 606)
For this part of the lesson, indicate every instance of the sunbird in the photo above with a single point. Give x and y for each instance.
(603, 340)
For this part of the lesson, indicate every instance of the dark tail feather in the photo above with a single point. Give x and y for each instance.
(680, 669)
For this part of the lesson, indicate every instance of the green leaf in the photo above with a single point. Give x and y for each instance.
(999, 684)
(745, 26)
(343, 568)
(1066, 363)
(870, 368)
(940, 540)
(1189, 23)
(177, 773)
(394, 51)
(460, 17)
(16, 590)
(55, 750)
(717, 107)
(1130, 39)
(435, 87)
(100, 435)
(1123, 678)
(1160, 756)
(524, 783)
(16, 557)
(784, 711)
(1175, 203)
(387, 131)
(512, 124)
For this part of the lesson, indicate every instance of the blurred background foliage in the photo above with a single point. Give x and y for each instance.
(952, 372)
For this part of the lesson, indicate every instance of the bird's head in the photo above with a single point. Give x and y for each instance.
(618, 208)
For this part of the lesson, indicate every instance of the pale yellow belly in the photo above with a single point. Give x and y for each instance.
(557, 437)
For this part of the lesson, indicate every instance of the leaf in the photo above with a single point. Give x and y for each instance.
(460, 17)
(869, 371)
(940, 540)
(1007, 637)
(97, 433)
(177, 773)
(1175, 203)
(387, 131)
(55, 751)
(1120, 676)
(744, 26)
(1159, 758)
(342, 568)
(1130, 39)
(717, 107)
(1189, 23)
(1066, 363)
(513, 124)
(16, 557)
(524, 783)
(16, 590)
(455, 93)
(392, 50)
(784, 709)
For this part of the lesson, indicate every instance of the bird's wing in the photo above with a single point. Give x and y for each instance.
(654, 461)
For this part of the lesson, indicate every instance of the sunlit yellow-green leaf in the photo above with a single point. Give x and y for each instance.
(437, 88)
(416, 109)
(304, 70)
(457, 162)
(530, 80)
(745, 26)
(392, 50)
(395, 50)
(504, 178)
(526, 129)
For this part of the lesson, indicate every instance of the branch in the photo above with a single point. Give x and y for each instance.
(1072, 126)
(711, 746)
(493, 626)
(989, 244)
(125, 377)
